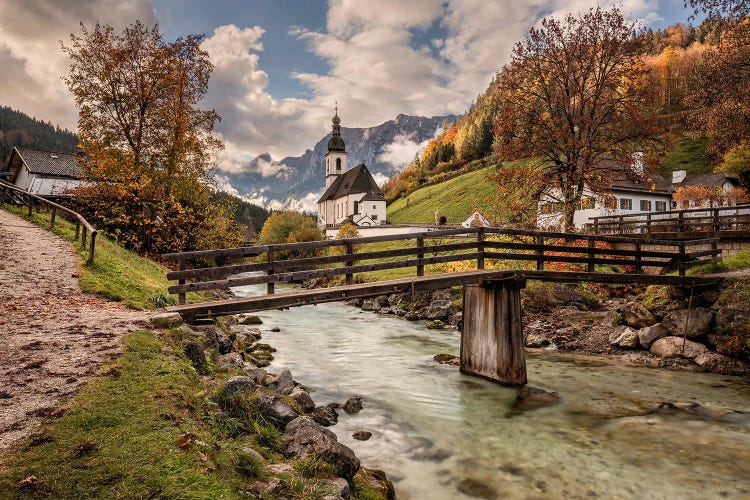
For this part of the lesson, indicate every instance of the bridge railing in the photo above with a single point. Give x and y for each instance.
(276, 263)
(693, 219)
(15, 196)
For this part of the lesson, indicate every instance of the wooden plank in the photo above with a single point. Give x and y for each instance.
(572, 259)
(582, 250)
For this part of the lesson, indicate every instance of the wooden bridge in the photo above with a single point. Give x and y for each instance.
(492, 335)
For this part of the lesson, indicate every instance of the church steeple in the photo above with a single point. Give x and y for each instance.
(336, 156)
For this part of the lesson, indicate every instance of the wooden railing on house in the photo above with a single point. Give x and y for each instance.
(434, 247)
(85, 232)
(735, 218)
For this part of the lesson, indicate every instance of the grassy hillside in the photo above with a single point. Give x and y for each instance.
(688, 154)
(454, 199)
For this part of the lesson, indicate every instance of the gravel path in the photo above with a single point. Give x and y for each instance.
(52, 336)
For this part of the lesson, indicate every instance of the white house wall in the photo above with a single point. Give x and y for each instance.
(23, 180)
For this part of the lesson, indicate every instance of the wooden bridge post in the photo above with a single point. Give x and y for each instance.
(682, 258)
(681, 221)
(270, 271)
(349, 263)
(182, 264)
(591, 254)
(30, 202)
(420, 257)
(540, 252)
(648, 223)
(638, 267)
(480, 248)
(717, 225)
(492, 345)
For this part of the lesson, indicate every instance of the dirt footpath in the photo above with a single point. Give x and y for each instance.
(52, 336)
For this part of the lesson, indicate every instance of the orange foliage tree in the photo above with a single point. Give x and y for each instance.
(148, 144)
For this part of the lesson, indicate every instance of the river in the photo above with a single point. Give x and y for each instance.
(442, 435)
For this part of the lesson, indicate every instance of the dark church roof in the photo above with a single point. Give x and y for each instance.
(336, 143)
(49, 163)
(356, 180)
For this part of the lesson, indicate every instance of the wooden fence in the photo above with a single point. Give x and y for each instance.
(735, 218)
(465, 244)
(12, 195)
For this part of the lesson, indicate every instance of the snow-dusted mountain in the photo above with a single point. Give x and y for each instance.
(299, 181)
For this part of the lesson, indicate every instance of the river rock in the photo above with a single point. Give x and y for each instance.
(276, 410)
(303, 399)
(636, 315)
(282, 383)
(194, 352)
(395, 299)
(698, 322)
(411, 316)
(249, 319)
(532, 398)
(477, 489)
(166, 320)
(370, 304)
(456, 319)
(224, 344)
(339, 486)
(439, 309)
(236, 386)
(420, 299)
(325, 415)
(650, 334)
(624, 337)
(270, 488)
(361, 435)
(353, 405)
(232, 360)
(446, 359)
(431, 454)
(303, 437)
(252, 452)
(276, 329)
(257, 374)
(718, 363)
(671, 347)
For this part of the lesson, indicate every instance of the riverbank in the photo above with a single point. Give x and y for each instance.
(656, 327)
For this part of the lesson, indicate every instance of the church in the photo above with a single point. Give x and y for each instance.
(350, 195)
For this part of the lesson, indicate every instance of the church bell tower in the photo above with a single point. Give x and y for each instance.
(336, 156)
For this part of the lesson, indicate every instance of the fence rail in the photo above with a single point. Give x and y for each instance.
(466, 244)
(15, 196)
(692, 219)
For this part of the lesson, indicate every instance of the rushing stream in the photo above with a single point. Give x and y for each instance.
(442, 435)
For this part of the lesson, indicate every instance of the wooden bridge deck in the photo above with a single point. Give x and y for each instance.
(296, 298)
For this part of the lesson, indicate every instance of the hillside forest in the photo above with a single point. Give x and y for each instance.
(700, 118)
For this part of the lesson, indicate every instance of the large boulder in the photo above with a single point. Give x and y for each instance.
(624, 337)
(232, 360)
(353, 405)
(650, 334)
(371, 304)
(698, 322)
(275, 410)
(225, 344)
(283, 382)
(672, 347)
(732, 337)
(636, 315)
(532, 398)
(304, 438)
(194, 352)
(237, 386)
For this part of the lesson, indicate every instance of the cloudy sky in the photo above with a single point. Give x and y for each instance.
(281, 64)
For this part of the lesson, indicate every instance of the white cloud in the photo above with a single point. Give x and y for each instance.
(380, 179)
(309, 203)
(31, 60)
(401, 151)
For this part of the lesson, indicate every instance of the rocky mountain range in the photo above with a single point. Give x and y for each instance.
(298, 181)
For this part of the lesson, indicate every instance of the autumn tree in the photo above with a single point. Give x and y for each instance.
(721, 8)
(148, 143)
(289, 226)
(573, 97)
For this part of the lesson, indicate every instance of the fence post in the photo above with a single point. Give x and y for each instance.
(596, 225)
(716, 219)
(540, 253)
(92, 245)
(480, 248)
(638, 267)
(683, 258)
(715, 250)
(30, 202)
(591, 254)
(182, 265)
(83, 236)
(78, 229)
(622, 224)
(648, 223)
(52, 217)
(349, 263)
(681, 221)
(420, 256)
(269, 272)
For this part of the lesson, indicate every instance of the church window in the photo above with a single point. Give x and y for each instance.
(374, 207)
(338, 164)
(374, 217)
(356, 207)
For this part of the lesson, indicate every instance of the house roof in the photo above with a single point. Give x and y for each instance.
(356, 180)
(49, 162)
(372, 196)
(652, 183)
(716, 179)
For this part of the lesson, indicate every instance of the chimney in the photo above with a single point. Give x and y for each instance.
(637, 164)
(678, 176)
